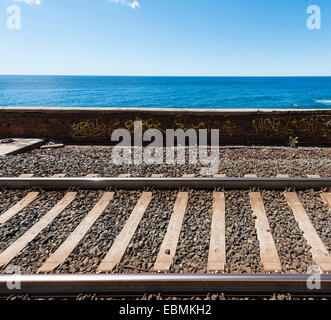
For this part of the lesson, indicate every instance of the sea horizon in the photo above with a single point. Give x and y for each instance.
(174, 92)
(166, 76)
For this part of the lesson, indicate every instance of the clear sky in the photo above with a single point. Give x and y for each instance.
(166, 37)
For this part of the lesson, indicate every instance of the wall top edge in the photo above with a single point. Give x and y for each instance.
(159, 110)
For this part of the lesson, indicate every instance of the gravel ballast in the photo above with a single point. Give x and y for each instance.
(192, 249)
(242, 245)
(234, 162)
(22, 221)
(292, 248)
(50, 238)
(318, 213)
(8, 197)
(89, 253)
(144, 246)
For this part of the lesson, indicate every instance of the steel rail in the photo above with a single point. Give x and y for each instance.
(125, 284)
(163, 183)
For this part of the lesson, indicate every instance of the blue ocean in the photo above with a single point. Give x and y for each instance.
(166, 92)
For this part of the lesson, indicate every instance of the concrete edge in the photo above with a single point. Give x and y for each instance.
(107, 110)
(34, 145)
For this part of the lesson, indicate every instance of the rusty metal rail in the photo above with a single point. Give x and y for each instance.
(164, 183)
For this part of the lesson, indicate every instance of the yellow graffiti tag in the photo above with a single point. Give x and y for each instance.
(88, 128)
(290, 125)
(229, 128)
(146, 124)
(226, 127)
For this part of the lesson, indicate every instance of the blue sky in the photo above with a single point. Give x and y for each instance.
(166, 37)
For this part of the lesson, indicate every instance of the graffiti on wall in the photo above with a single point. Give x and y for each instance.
(150, 123)
(286, 126)
(91, 128)
(226, 127)
(97, 127)
(266, 127)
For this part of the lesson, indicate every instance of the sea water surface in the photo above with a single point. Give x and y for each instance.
(166, 92)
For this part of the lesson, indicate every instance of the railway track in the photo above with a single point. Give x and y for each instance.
(46, 277)
(94, 183)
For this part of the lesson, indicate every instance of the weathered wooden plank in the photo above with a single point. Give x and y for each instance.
(19, 206)
(319, 252)
(268, 251)
(62, 253)
(282, 176)
(58, 175)
(19, 146)
(250, 175)
(169, 244)
(313, 176)
(7, 255)
(217, 251)
(52, 146)
(117, 250)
